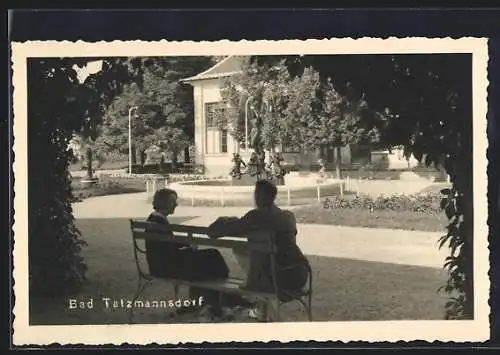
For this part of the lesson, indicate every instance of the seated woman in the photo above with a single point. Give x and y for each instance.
(180, 261)
(292, 265)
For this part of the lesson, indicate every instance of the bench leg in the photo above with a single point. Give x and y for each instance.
(309, 309)
(176, 290)
(272, 309)
(278, 306)
(141, 286)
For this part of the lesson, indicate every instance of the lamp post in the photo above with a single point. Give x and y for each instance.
(130, 110)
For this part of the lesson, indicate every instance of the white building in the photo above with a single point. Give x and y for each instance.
(215, 147)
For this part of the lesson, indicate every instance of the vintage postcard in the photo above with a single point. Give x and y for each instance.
(189, 192)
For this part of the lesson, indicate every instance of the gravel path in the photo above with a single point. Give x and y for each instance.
(370, 244)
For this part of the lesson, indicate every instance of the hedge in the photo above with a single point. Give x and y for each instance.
(166, 168)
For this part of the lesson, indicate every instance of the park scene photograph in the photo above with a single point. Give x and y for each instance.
(250, 188)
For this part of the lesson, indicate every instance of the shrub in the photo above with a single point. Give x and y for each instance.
(425, 203)
(166, 168)
(151, 168)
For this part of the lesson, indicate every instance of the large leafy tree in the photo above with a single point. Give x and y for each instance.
(427, 101)
(302, 112)
(258, 94)
(165, 114)
(321, 117)
(59, 106)
(91, 152)
(157, 121)
(302, 108)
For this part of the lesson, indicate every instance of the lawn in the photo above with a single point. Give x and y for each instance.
(106, 165)
(108, 186)
(387, 174)
(407, 220)
(344, 289)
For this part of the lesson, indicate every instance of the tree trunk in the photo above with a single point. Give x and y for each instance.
(142, 156)
(134, 155)
(186, 155)
(338, 161)
(322, 152)
(443, 176)
(88, 155)
(174, 158)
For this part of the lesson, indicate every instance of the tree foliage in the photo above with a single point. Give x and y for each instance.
(427, 108)
(165, 107)
(303, 110)
(258, 92)
(58, 107)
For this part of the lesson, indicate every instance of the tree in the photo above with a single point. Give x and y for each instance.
(90, 151)
(427, 108)
(165, 115)
(257, 94)
(58, 107)
(158, 120)
(343, 122)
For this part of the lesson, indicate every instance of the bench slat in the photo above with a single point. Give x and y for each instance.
(219, 242)
(183, 228)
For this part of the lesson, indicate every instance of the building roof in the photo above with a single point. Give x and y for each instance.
(226, 67)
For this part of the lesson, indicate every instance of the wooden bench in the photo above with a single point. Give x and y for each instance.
(198, 236)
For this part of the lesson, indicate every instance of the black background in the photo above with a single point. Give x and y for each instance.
(274, 24)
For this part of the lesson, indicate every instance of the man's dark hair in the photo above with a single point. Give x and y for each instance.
(268, 188)
(161, 197)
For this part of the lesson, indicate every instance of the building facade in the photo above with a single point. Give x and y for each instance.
(215, 146)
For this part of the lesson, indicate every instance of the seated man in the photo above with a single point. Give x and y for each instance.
(292, 265)
(180, 261)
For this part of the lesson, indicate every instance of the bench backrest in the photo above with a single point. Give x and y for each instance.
(195, 235)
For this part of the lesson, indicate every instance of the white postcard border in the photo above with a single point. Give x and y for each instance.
(371, 331)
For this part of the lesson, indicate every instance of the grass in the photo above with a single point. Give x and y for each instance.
(344, 289)
(386, 174)
(108, 186)
(435, 188)
(407, 220)
(107, 165)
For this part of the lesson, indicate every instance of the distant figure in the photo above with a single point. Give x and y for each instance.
(293, 267)
(277, 171)
(322, 170)
(237, 163)
(253, 164)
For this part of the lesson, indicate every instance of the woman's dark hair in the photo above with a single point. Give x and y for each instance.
(161, 198)
(268, 188)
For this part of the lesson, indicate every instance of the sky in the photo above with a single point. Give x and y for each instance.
(90, 68)
(83, 73)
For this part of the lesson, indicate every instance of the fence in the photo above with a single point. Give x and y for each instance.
(287, 195)
(155, 183)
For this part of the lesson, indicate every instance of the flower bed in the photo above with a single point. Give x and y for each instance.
(426, 203)
(407, 212)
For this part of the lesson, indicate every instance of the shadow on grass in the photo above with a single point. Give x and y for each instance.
(344, 289)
